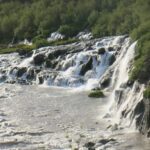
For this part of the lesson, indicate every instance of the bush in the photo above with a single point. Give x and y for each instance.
(96, 94)
(141, 69)
(146, 93)
(41, 43)
(68, 30)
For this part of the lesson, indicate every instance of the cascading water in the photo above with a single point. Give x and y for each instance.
(65, 67)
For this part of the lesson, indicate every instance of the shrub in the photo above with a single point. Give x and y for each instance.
(68, 30)
(146, 93)
(41, 43)
(141, 69)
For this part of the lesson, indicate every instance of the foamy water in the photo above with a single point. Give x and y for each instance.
(56, 118)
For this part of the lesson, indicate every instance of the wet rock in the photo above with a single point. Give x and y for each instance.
(3, 78)
(105, 82)
(110, 49)
(37, 70)
(86, 67)
(148, 133)
(105, 141)
(130, 83)
(25, 53)
(118, 95)
(21, 71)
(139, 111)
(48, 64)
(11, 81)
(50, 56)
(105, 79)
(58, 53)
(112, 59)
(89, 145)
(30, 74)
(41, 80)
(39, 59)
(101, 51)
(124, 113)
(58, 66)
(54, 64)
(144, 126)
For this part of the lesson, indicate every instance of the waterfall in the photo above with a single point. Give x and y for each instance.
(75, 65)
(103, 63)
(124, 98)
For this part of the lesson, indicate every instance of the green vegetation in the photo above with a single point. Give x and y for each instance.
(36, 19)
(22, 49)
(147, 93)
(141, 69)
(97, 93)
(4, 49)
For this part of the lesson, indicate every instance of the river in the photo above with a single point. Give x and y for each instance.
(37, 117)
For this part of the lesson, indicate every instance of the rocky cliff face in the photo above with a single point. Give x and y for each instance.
(144, 122)
(103, 63)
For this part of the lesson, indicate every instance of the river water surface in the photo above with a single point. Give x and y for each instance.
(33, 117)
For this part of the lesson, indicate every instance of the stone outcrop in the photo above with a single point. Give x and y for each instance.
(144, 121)
(86, 67)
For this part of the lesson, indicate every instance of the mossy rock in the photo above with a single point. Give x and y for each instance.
(96, 94)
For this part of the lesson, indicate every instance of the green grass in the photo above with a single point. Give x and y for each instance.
(16, 48)
(63, 42)
(4, 49)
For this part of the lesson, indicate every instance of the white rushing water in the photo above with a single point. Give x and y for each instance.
(52, 110)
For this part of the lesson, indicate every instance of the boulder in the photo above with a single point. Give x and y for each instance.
(37, 70)
(3, 78)
(110, 49)
(21, 71)
(139, 112)
(39, 59)
(105, 141)
(41, 80)
(50, 56)
(26, 53)
(58, 53)
(89, 145)
(30, 74)
(144, 126)
(101, 51)
(130, 83)
(48, 64)
(105, 79)
(105, 82)
(112, 59)
(86, 67)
